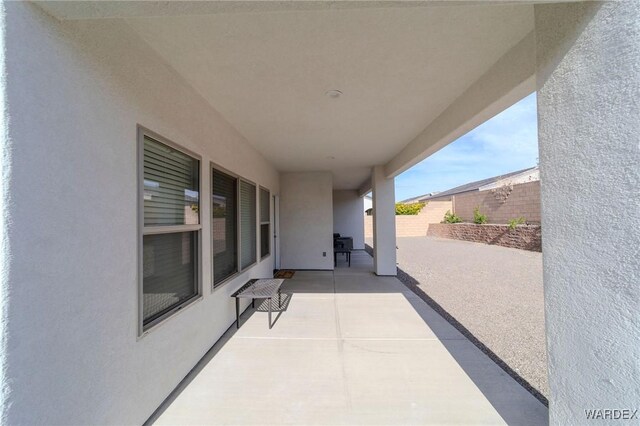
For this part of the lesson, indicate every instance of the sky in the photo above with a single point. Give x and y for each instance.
(505, 143)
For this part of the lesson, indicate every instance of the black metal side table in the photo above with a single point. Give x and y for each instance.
(346, 251)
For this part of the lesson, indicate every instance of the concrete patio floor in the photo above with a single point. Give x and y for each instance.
(348, 347)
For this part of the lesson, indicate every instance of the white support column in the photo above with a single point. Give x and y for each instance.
(384, 223)
(588, 78)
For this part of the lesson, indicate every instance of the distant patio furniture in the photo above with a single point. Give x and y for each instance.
(258, 289)
(346, 251)
(343, 242)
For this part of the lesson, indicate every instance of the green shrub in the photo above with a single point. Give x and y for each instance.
(451, 217)
(409, 209)
(515, 222)
(479, 218)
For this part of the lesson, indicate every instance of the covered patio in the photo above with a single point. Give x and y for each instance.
(158, 155)
(349, 347)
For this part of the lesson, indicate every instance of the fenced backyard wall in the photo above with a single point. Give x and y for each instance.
(414, 225)
(501, 205)
(525, 237)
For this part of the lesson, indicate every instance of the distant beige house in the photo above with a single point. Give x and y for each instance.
(531, 174)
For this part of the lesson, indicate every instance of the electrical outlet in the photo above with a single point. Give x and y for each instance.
(324, 254)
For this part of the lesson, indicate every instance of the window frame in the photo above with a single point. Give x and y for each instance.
(260, 223)
(213, 166)
(256, 226)
(144, 329)
(239, 269)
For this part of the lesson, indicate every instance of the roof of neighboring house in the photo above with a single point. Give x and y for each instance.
(419, 197)
(472, 186)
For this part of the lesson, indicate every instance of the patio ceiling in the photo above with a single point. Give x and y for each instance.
(267, 72)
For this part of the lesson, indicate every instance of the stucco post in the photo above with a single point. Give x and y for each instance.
(384, 223)
(588, 79)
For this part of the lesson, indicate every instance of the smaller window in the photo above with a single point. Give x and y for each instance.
(224, 226)
(265, 222)
(248, 224)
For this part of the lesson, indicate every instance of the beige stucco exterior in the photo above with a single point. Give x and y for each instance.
(306, 221)
(75, 355)
(588, 90)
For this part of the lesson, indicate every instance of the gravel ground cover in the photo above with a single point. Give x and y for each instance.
(493, 292)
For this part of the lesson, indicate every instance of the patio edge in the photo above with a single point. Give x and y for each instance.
(412, 284)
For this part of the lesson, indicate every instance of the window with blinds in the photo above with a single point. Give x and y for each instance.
(265, 222)
(170, 186)
(248, 244)
(171, 226)
(224, 226)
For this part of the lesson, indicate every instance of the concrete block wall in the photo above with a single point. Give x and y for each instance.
(524, 200)
(525, 237)
(411, 226)
(434, 211)
(368, 227)
(415, 225)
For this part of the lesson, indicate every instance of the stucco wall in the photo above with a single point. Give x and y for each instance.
(75, 93)
(588, 115)
(306, 220)
(523, 200)
(348, 219)
(384, 224)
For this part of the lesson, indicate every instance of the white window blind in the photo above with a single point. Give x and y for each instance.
(169, 272)
(169, 259)
(265, 225)
(170, 186)
(248, 224)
